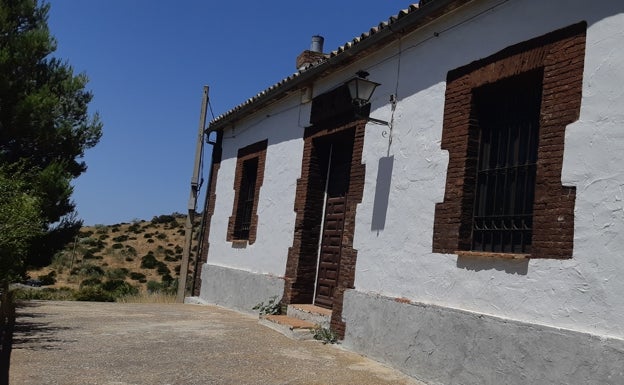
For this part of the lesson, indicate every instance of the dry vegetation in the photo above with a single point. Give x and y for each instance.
(127, 259)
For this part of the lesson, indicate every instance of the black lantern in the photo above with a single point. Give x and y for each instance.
(361, 90)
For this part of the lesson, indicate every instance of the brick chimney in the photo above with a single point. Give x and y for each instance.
(313, 55)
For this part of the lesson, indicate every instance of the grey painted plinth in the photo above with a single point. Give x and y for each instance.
(448, 346)
(237, 289)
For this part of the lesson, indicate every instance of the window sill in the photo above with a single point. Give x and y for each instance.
(239, 243)
(486, 254)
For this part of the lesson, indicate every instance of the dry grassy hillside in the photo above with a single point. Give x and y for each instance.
(124, 258)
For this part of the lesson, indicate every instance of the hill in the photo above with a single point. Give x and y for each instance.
(117, 260)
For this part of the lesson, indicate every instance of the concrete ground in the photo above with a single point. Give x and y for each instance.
(86, 343)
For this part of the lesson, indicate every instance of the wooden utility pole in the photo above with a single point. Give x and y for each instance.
(192, 203)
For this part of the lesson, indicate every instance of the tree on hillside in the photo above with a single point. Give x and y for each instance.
(44, 122)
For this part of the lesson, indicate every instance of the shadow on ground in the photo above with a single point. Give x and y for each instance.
(23, 329)
(32, 332)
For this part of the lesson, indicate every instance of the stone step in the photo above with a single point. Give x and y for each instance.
(314, 314)
(291, 327)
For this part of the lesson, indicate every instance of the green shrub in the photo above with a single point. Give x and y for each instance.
(169, 258)
(90, 282)
(61, 259)
(162, 269)
(103, 236)
(117, 273)
(90, 255)
(91, 270)
(153, 286)
(169, 286)
(48, 294)
(85, 234)
(148, 261)
(129, 259)
(150, 241)
(147, 235)
(48, 279)
(178, 249)
(167, 280)
(97, 243)
(91, 293)
(137, 276)
(162, 236)
(163, 219)
(119, 288)
(117, 246)
(120, 238)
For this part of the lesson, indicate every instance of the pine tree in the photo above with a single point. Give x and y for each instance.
(45, 126)
(20, 223)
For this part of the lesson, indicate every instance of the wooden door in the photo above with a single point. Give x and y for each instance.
(333, 226)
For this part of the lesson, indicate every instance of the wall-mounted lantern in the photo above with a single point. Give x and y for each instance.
(361, 90)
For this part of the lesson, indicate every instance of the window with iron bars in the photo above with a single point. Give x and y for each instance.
(507, 113)
(246, 199)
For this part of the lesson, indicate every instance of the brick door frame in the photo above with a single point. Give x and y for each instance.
(302, 255)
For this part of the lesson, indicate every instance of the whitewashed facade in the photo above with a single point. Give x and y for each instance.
(441, 317)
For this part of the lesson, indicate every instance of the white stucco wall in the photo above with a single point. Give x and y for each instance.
(584, 293)
(283, 126)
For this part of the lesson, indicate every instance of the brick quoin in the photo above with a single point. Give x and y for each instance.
(560, 55)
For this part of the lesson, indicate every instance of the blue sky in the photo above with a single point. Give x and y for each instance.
(148, 61)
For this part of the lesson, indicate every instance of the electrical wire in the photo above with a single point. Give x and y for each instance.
(211, 112)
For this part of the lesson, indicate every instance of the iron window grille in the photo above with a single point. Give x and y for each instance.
(246, 199)
(507, 114)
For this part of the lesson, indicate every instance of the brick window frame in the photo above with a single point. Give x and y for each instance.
(560, 55)
(256, 151)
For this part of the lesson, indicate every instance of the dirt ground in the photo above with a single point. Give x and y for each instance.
(84, 343)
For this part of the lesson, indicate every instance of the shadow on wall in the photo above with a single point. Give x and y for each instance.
(509, 266)
(382, 193)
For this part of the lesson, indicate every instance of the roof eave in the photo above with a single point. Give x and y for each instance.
(425, 14)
